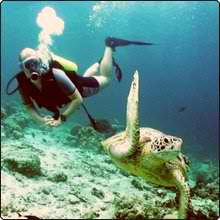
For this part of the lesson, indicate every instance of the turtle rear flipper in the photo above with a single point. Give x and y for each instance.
(132, 129)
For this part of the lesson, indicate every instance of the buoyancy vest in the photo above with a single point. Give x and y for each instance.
(51, 97)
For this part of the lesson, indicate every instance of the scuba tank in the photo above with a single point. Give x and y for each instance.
(67, 64)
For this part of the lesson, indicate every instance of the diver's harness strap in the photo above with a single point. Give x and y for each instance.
(56, 113)
(8, 85)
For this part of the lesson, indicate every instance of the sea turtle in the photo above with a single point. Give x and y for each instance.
(149, 153)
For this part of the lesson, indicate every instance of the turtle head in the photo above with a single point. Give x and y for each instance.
(117, 145)
(166, 147)
(108, 143)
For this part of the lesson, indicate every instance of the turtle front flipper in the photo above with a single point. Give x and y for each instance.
(183, 188)
(132, 129)
(126, 143)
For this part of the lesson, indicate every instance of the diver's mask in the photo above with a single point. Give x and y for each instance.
(35, 67)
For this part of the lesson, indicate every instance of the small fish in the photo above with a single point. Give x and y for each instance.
(182, 109)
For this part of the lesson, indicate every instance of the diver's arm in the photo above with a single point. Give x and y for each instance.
(69, 89)
(74, 104)
(35, 115)
(28, 103)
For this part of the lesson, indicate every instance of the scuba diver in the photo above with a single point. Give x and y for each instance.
(52, 82)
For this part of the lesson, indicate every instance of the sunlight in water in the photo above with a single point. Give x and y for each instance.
(103, 10)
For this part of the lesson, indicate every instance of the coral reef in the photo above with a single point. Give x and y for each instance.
(80, 136)
(63, 173)
(14, 124)
(205, 175)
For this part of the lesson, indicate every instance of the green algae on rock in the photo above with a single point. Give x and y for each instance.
(57, 176)
(23, 161)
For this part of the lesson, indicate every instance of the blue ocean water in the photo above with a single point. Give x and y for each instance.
(180, 70)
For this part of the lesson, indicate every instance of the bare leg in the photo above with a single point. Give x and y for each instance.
(102, 72)
(105, 69)
(92, 70)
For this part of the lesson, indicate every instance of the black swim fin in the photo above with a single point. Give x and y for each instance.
(100, 125)
(117, 42)
(32, 217)
(118, 72)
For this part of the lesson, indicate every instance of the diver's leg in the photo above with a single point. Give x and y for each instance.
(92, 70)
(105, 69)
(107, 62)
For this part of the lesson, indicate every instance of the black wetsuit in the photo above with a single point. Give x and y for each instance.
(53, 95)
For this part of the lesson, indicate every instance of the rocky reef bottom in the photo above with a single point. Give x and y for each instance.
(63, 173)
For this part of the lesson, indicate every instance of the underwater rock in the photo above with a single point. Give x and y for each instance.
(13, 132)
(86, 138)
(73, 200)
(7, 210)
(14, 126)
(58, 177)
(98, 193)
(204, 171)
(46, 190)
(204, 174)
(23, 161)
(203, 209)
(16, 117)
(75, 130)
(91, 214)
(210, 190)
(172, 202)
(136, 208)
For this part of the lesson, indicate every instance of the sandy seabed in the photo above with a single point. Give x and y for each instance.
(63, 173)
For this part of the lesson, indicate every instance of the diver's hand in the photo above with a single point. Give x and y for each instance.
(50, 121)
(53, 122)
(47, 119)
